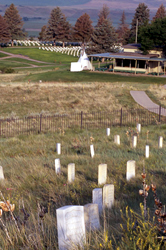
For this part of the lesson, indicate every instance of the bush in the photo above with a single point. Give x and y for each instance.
(7, 70)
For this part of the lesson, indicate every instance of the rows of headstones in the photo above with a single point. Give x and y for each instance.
(66, 50)
(27, 43)
(74, 221)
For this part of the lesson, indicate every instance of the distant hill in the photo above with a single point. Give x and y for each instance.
(44, 3)
(35, 14)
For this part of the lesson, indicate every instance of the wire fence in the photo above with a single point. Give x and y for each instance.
(43, 123)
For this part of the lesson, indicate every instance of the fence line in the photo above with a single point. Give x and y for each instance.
(42, 123)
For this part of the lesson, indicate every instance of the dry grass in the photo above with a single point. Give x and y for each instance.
(23, 99)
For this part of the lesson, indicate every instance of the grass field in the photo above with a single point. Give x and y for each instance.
(28, 161)
(62, 62)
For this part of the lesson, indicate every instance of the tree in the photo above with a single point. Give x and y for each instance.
(161, 13)
(153, 36)
(83, 28)
(58, 27)
(4, 33)
(140, 18)
(42, 34)
(103, 14)
(14, 22)
(103, 37)
(123, 30)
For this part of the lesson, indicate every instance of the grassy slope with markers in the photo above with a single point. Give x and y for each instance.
(28, 161)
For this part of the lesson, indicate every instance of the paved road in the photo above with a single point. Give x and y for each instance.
(142, 99)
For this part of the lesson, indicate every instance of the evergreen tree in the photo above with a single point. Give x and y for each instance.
(103, 14)
(58, 27)
(4, 33)
(14, 22)
(42, 34)
(123, 30)
(140, 18)
(153, 36)
(161, 13)
(103, 37)
(83, 28)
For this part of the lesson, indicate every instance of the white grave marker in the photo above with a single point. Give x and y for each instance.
(58, 148)
(57, 166)
(1, 173)
(160, 142)
(117, 139)
(134, 141)
(97, 198)
(92, 152)
(91, 215)
(102, 174)
(139, 128)
(71, 172)
(147, 151)
(71, 227)
(108, 131)
(130, 172)
(108, 195)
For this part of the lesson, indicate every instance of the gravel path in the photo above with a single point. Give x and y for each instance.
(142, 99)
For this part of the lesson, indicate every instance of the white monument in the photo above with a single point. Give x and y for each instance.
(71, 172)
(1, 173)
(58, 148)
(117, 139)
(57, 166)
(91, 215)
(134, 141)
(160, 142)
(108, 195)
(71, 227)
(92, 152)
(102, 174)
(147, 151)
(130, 171)
(139, 128)
(97, 198)
(108, 131)
(82, 64)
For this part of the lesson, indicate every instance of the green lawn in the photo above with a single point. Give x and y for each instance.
(46, 56)
(62, 63)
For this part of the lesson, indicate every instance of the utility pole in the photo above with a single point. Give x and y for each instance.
(136, 33)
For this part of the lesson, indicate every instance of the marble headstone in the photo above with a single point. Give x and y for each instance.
(71, 172)
(57, 166)
(117, 139)
(102, 174)
(1, 173)
(108, 195)
(92, 152)
(147, 151)
(108, 131)
(134, 141)
(160, 142)
(130, 171)
(97, 198)
(91, 215)
(71, 227)
(58, 148)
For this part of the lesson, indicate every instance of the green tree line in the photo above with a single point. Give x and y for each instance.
(101, 38)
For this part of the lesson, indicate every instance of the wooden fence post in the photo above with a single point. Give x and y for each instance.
(81, 118)
(40, 123)
(121, 114)
(159, 113)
